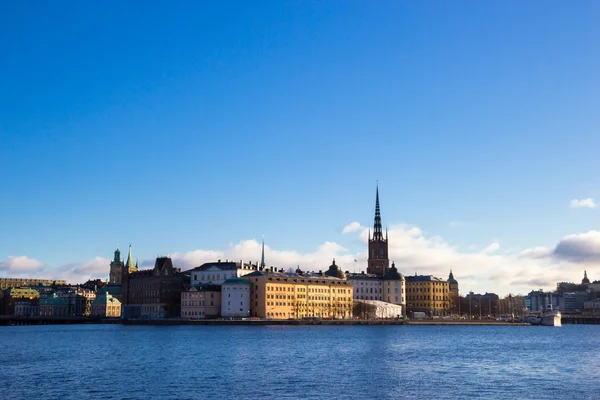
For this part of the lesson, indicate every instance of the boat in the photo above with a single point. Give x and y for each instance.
(548, 317)
(551, 317)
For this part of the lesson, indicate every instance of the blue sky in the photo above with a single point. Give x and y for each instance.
(187, 126)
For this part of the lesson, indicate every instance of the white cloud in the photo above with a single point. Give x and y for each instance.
(492, 248)
(18, 265)
(351, 227)
(410, 248)
(583, 203)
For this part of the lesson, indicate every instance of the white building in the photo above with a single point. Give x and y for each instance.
(366, 286)
(217, 272)
(235, 298)
(389, 288)
(379, 309)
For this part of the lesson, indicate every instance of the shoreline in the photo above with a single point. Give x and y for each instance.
(12, 321)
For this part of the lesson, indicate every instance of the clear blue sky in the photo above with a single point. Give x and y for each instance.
(192, 125)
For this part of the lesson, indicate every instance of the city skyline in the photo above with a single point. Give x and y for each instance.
(196, 130)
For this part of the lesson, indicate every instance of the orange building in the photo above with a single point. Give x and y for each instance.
(281, 295)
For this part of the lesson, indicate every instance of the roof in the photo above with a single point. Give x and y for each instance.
(205, 287)
(53, 301)
(105, 298)
(423, 278)
(291, 275)
(335, 272)
(372, 277)
(393, 275)
(236, 281)
(24, 292)
(223, 266)
(451, 279)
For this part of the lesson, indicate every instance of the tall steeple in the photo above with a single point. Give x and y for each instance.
(378, 262)
(129, 264)
(262, 256)
(377, 234)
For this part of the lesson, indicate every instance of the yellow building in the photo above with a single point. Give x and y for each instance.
(280, 295)
(105, 305)
(428, 294)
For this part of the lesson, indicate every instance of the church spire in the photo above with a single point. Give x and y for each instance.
(262, 256)
(377, 233)
(129, 264)
(585, 279)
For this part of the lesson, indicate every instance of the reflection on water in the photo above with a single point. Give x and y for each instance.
(113, 361)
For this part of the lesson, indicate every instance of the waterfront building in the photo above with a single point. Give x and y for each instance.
(6, 283)
(153, 293)
(592, 306)
(79, 300)
(216, 273)
(374, 309)
(279, 295)
(454, 294)
(390, 288)
(201, 301)
(117, 267)
(378, 262)
(511, 304)
(366, 286)
(14, 295)
(235, 298)
(428, 294)
(53, 306)
(26, 309)
(105, 305)
(481, 306)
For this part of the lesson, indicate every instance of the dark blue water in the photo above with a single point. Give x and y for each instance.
(361, 362)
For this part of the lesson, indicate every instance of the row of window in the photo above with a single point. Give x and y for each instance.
(438, 298)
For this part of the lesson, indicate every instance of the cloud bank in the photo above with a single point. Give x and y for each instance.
(410, 248)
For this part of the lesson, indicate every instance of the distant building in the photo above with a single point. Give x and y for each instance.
(201, 301)
(79, 300)
(512, 304)
(26, 309)
(454, 294)
(14, 295)
(585, 280)
(153, 293)
(366, 286)
(6, 283)
(105, 305)
(53, 306)
(235, 298)
(280, 295)
(217, 272)
(428, 294)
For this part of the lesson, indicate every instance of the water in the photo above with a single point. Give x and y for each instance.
(245, 362)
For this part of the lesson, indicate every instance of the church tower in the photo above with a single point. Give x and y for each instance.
(378, 262)
(116, 268)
